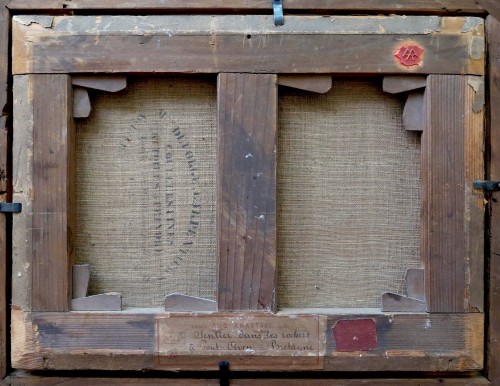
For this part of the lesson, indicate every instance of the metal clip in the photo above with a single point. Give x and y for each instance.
(489, 186)
(10, 207)
(278, 12)
(224, 373)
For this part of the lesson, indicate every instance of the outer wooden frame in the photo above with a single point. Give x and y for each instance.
(441, 7)
(5, 188)
(423, 7)
(445, 237)
(493, 352)
(24, 380)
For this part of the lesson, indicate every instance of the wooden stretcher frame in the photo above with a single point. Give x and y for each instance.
(51, 306)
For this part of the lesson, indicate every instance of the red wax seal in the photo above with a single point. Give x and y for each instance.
(410, 55)
(355, 335)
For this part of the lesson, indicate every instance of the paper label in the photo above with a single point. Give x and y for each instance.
(243, 335)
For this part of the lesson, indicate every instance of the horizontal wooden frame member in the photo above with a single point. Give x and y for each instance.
(137, 341)
(213, 44)
(379, 6)
(31, 380)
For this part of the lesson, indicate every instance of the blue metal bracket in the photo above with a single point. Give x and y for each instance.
(489, 186)
(278, 12)
(224, 373)
(10, 207)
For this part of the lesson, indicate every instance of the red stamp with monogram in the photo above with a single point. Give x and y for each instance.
(410, 55)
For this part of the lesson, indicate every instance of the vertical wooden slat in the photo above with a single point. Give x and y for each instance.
(247, 191)
(493, 357)
(22, 181)
(474, 226)
(453, 211)
(52, 138)
(4, 191)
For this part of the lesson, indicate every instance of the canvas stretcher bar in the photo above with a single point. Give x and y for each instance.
(213, 44)
(131, 341)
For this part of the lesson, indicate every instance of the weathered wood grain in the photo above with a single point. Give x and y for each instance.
(453, 212)
(313, 6)
(128, 341)
(102, 82)
(5, 178)
(414, 112)
(22, 249)
(29, 380)
(492, 7)
(111, 341)
(313, 379)
(111, 301)
(179, 302)
(81, 103)
(399, 84)
(51, 221)
(493, 342)
(206, 44)
(314, 83)
(247, 124)
(400, 303)
(3, 297)
(358, 382)
(303, 379)
(415, 286)
(453, 332)
(474, 198)
(81, 277)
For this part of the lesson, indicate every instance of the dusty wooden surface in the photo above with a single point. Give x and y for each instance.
(414, 112)
(474, 199)
(52, 142)
(342, 44)
(453, 229)
(103, 83)
(111, 301)
(129, 341)
(314, 83)
(313, 6)
(400, 303)
(493, 351)
(5, 191)
(178, 302)
(246, 186)
(81, 103)
(491, 6)
(303, 379)
(415, 286)
(81, 277)
(23, 192)
(77, 4)
(398, 84)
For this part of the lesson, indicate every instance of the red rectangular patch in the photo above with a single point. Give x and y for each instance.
(355, 335)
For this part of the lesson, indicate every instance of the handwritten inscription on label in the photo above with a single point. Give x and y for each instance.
(256, 335)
